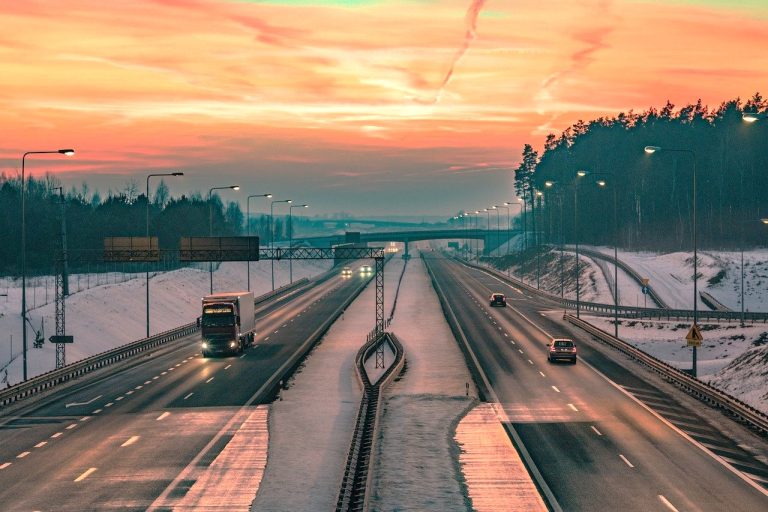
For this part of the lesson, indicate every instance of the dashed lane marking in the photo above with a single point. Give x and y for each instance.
(22, 455)
(667, 504)
(573, 407)
(163, 416)
(5, 465)
(242, 356)
(163, 373)
(57, 434)
(209, 380)
(147, 382)
(109, 404)
(129, 392)
(119, 398)
(520, 350)
(542, 374)
(596, 431)
(155, 377)
(139, 386)
(71, 426)
(130, 441)
(189, 395)
(555, 388)
(85, 475)
(97, 411)
(228, 367)
(530, 361)
(85, 418)
(265, 339)
(41, 444)
(625, 460)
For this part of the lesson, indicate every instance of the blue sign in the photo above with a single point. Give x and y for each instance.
(645, 290)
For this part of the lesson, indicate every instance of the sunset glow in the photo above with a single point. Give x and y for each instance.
(358, 94)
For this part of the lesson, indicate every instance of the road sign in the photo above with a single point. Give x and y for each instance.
(694, 337)
(219, 248)
(62, 339)
(645, 281)
(131, 248)
(645, 290)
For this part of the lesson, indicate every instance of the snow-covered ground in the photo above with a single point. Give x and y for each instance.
(109, 315)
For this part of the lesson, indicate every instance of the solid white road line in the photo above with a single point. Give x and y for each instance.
(164, 415)
(22, 455)
(625, 460)
(85, 475)
(666, 502)
(189, 395)
(130, 441)
(209, 380)
(596, 431)
(41, 444)
(573, 407)
(5, 465)
(555, 388)
(57, 434)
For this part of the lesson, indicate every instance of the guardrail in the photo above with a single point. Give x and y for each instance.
(354, 490)
(625, 311)
(72, 371)
(712, 302)
(701, 390)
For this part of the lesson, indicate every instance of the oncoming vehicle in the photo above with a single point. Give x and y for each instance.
(498, 299)
(562, 349)
(366, 269)
(346, 272)
(228, 323)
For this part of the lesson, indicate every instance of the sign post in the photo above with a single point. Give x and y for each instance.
(694, 339)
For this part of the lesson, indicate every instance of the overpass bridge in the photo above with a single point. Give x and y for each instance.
(491, 238)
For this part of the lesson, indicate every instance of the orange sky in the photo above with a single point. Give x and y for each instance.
(417, 104)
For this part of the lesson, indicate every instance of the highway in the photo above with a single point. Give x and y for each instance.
(122, 438)
(588, 428)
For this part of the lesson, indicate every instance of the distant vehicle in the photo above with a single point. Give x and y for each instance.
(346, 272)
(366, 269)
(498, 299)
(228, 323)
(563, 349)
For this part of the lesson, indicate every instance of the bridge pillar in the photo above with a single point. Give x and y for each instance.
(406, 254)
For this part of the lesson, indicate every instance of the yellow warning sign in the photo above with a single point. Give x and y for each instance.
(645, 281)
(694, 337)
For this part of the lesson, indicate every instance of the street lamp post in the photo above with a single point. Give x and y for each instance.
(487, 229)
(602, 183)
(508, 230)
(521, 204)
(248, 228)
(67, 152)
(210, 223)
(498, 230)
(290, 238)
(272, 233)
(654, 149)
(147, 274)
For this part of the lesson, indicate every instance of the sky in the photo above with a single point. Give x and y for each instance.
(370, 107)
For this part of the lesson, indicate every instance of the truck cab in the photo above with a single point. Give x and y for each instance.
(227, 323)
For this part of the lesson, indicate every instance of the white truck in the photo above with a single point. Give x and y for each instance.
(228, 323)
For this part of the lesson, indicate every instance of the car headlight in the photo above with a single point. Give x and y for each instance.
(205, 345)
(232, 344)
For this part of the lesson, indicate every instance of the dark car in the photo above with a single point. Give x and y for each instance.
(563, 349)
(498, 299)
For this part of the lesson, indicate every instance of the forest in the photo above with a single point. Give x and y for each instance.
(595, 183)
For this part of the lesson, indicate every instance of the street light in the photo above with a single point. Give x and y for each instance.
(487, 229)
(248, 228)
(751, 117)
(67, 152)
(272, 234)
(210, 222)
(290, 238)
(654, 149)
(150, 245)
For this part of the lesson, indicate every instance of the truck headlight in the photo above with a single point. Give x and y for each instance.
(205, 345)
(232, 344)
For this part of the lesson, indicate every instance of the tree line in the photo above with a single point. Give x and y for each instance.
(644, 201)
(90, 219)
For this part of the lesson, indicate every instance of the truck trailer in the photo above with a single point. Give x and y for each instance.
(228, 323)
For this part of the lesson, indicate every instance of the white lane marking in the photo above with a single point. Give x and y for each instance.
(130, 441)
(164, 415)
(138, 387)
(542, 374)
(178, 364)
(265, 339)
(209, 380)
(596, 431)
(147, 382)
(22, 455)
(506, 335)
(41, 444)
(285, 325)
(530, 361)
(73, 425)
(57, 434)
(189, 395)
(75, 404)
(110, 404)
(573, 407)
(666, 502)
(97, 411)
(84, 418)
(85, 475)
(625, 460)
(171, 369)
(555, 388)
(228, 367)
(155, 377)
(129, 392)
(119, 398)
(520, 350)
(542, 314)
(163, 373)
(5, 465)
(242, 356)
(275, 332)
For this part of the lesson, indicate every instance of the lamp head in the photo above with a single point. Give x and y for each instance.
(750, 117)
(652, 149)
(235, 187)
(549, 183)
(581, 173)
(764, 221)
(539, 193)
(601, 183)
(177, 174)
(68, 152)
(267, 195)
